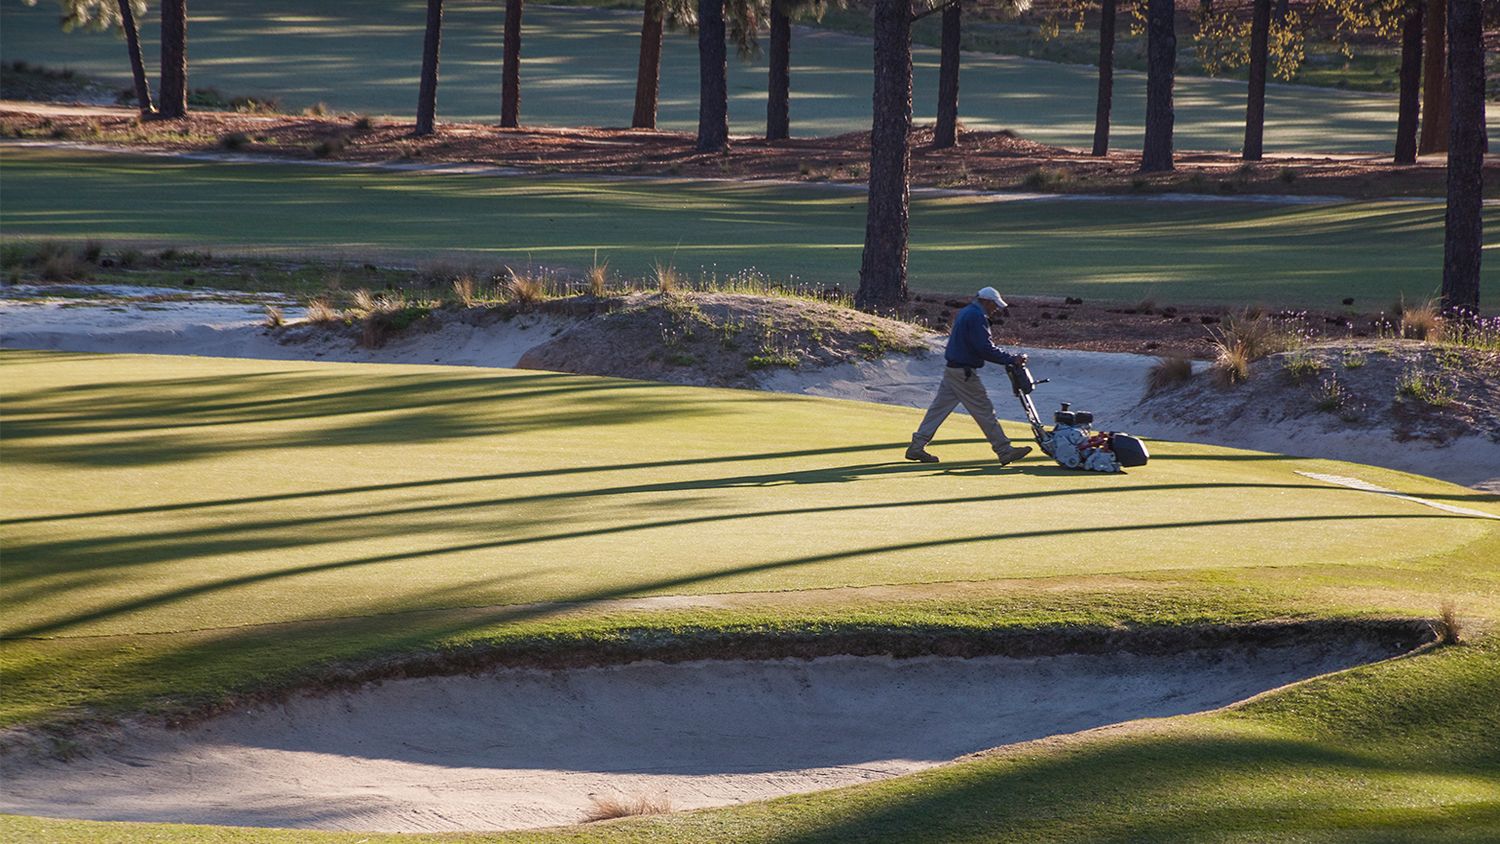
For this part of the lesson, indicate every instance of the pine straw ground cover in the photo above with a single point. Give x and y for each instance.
(184, 533)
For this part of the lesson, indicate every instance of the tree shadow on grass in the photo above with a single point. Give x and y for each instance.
(60, 624)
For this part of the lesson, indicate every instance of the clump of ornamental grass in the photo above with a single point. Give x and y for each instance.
(320, 311)
(525, 289)
(1421, 321)
(1168, 372)
(609, 808)
(274, 317)
(1449, 628)
(598, 277)
(1231, 363)
(666, 277)
(385, 315)
(464, 291)
(1255, 333)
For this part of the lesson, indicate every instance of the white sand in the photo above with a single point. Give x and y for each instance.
(1109, 384)
(525, 748)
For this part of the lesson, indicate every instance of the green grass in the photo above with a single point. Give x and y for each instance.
(1117, 249)
(180, 531)
(579, 68)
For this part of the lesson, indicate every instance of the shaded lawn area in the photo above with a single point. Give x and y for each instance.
(1230, 252)
(579, 65)
(179, 531)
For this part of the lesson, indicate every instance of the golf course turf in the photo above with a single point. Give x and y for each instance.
(182, 533)
(579, 67)
(1232, 252)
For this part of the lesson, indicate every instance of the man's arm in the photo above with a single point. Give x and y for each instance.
(979, 340)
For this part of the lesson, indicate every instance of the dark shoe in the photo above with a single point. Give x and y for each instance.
(920, 455)
(1013, 454)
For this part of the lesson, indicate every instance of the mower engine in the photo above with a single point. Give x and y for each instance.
(1072, 442)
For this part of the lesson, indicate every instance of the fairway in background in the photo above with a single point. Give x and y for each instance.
(578, 69)
(1118, 249)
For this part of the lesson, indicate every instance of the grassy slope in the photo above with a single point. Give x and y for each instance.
(1396, 751)
(579, 69)
(1115, 249)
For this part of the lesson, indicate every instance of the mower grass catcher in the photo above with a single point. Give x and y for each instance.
(1071, 442)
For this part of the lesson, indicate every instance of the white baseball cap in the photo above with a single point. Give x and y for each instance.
(993, 295)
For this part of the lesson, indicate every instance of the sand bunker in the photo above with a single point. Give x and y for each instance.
(524, 747)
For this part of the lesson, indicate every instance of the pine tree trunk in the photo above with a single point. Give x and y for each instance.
(713, 78)
(1282, 7)
(427, 94)
(648, 72)
(1161, 68)
(1106, 76)
(882, 270)
(173, 59)
(946, 133)
(1463, 238)
(1255, 106)
(137, 64)
(1411, 83)
(778, 103)
(1435, 81)
(510, 72)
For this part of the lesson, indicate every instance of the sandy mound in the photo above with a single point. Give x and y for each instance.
(1399, 390)
(524, 747)
(719, 339)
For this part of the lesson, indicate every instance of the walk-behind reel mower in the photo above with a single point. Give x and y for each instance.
(1071, 442)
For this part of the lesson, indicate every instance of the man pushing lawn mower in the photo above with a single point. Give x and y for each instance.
(969, 346)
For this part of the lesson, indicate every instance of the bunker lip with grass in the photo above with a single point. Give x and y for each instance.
(765, 728)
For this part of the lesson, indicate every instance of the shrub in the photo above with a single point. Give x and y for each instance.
(234, 140)
(1167, 372)
(62, 266)
(274, 317)
(1047, 178)
(331, 145)
(317, 109)
(1354, 360)
(364, 123)
(91, 251)
(391, 315)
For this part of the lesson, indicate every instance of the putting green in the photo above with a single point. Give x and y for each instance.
(161, 494)
(1118, 249)
(579, 68)
(159, 513)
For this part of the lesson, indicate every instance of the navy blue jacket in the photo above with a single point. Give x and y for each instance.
(969, 344)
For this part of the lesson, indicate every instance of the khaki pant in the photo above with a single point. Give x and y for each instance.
(967, 390)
